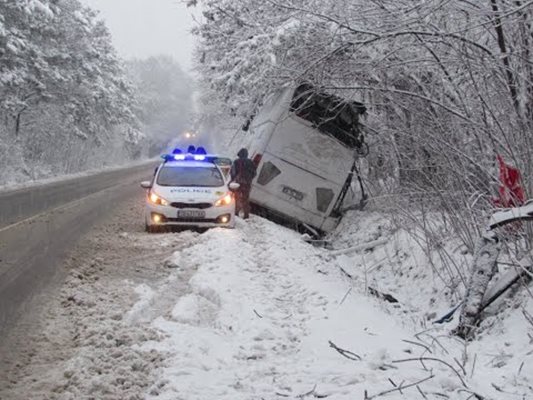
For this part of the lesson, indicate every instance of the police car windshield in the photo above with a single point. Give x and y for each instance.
(190, 176)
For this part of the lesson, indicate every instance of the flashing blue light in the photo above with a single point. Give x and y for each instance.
(201, 150)
(191, 150)
(199, 154)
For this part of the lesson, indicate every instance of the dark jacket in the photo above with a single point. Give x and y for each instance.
(243, 170)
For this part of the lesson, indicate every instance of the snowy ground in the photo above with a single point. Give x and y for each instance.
(257, 313)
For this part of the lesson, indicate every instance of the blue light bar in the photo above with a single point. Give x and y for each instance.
(188, 157)
(199, 154)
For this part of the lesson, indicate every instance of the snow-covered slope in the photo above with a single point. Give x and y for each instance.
(260, 317)
(268, 316)
(426, 283)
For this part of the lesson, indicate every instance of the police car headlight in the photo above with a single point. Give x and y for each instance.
(155, 199)
(226, 200)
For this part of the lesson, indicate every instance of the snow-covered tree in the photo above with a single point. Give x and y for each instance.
(63, 91)
(447, 83)
(164, 97)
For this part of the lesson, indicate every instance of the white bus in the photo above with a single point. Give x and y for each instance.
(303, 143)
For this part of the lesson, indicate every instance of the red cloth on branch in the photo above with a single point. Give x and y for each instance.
(510, 190)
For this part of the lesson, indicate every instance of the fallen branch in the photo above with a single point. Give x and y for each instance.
(346, 295)
(256, 313)
(444, 396)
(527, 316)
(301, 396)
(363, 246)
(473, 366)
(422, 359)
(520, 368)
(312, 393)
(381, 295)
(421, 392)
(346, 273)
(508, 280)
(418, 344)
(434, 339)
(460, 366)
(399, 388)
(473, 394)
(498, 389)
(345, 353)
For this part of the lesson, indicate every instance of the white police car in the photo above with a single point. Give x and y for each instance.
(189, 190)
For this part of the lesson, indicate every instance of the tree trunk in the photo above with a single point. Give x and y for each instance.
(511, 82)
(483, 269)
(17, 123)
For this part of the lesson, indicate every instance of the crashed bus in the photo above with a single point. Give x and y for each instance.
(304, 143)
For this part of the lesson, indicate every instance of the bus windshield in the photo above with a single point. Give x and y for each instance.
(329, 114)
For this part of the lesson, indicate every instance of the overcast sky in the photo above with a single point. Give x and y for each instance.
(142, 28)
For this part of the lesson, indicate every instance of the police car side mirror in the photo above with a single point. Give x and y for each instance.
(234, 186)
(146, 184)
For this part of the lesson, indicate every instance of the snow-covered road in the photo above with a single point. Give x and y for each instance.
(257, 313)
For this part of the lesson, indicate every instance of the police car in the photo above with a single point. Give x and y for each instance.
(189, 190)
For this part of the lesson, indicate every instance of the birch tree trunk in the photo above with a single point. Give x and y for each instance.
(483, 269)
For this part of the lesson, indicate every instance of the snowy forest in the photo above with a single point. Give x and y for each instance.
(68, 102)
(448, 86)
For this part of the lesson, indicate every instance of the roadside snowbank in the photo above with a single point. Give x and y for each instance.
(13, 178)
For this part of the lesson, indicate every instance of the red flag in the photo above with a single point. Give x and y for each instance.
(511, 191)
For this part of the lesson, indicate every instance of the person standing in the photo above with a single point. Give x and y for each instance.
(243, 172)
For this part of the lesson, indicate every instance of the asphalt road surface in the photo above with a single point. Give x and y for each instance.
(38, 227)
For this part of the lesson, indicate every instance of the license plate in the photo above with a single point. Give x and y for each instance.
(295, 194)
(191, 214)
